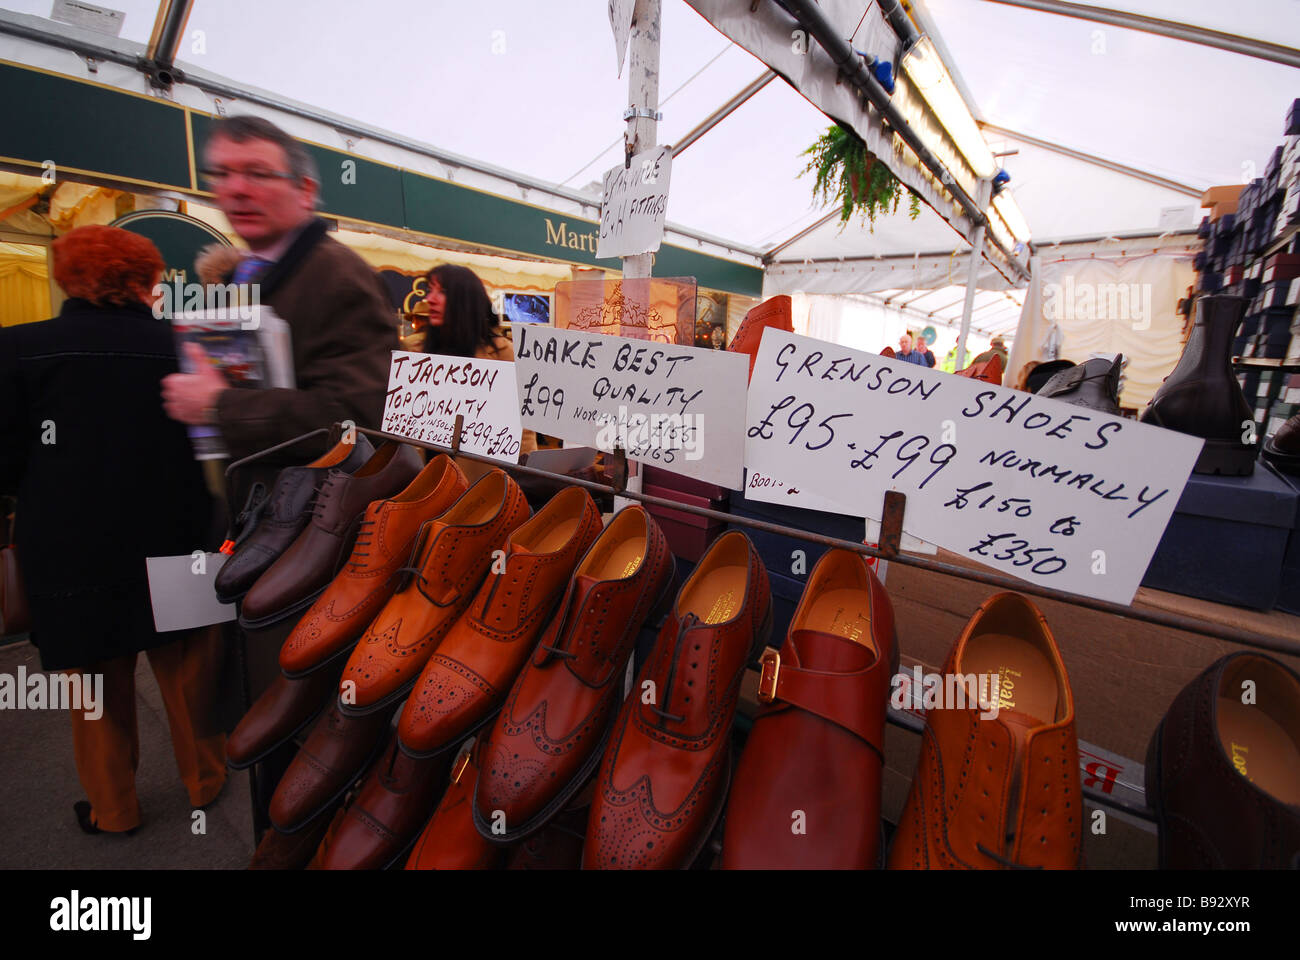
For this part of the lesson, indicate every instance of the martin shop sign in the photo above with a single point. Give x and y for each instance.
(1060, 495)
(671, 406)
(426, 391)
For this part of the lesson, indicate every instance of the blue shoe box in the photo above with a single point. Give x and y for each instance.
(1227, 540)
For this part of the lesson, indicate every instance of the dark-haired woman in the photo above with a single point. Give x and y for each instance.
(104, 479)
(462, 324)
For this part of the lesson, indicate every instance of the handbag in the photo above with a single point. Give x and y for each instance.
(15, 618)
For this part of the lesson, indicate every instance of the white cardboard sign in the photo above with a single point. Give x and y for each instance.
(634, 205)
(1054, 493)
(183, 593)
(620, 21)
(427, 390)
(682, 408)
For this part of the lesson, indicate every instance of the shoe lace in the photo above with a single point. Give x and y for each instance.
(251, 514)
(562, 633)
(688, 621)
(363, 540)
(323, 493)
(1006, 862)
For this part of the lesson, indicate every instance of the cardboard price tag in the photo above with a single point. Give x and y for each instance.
(635, 204)
(1057, 494)
(426, 391)
(682, 408)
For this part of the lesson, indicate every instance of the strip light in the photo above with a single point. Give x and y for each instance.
(925, 69)
(1005, 204)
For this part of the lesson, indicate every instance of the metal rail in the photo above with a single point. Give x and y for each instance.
(1175, 621)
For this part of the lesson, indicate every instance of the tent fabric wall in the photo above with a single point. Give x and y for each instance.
(1113, 305)
(24, 284)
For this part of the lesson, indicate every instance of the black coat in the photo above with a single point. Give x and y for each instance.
(118, 484)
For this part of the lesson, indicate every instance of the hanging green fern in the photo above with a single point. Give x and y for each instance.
(848, 174)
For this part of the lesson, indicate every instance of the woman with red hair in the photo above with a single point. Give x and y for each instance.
(104, 479)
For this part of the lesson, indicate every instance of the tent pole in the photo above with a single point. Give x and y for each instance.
(972, 272)
(643, 98)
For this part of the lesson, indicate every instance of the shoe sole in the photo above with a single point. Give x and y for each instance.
(554, 807)
(1226, 458)
(332, 658)
(280, 615)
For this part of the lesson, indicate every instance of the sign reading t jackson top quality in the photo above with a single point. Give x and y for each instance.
(1061, 495)
(677, 407)
(426, 391)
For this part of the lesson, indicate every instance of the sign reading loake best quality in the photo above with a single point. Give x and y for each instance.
(682, 408)
(1054, 493)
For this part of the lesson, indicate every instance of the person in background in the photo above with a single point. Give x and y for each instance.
(907, 353)
(923, 348)
(104, 479)
(949, 364)
(996, 346)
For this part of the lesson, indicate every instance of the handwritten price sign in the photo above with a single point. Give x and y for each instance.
(677, 407)
(1054, 493)
(426, 391)
(634, 205)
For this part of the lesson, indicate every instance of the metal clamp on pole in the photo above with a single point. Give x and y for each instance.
(643, 113)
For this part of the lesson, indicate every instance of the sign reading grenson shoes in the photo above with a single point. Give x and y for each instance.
(1057, 494)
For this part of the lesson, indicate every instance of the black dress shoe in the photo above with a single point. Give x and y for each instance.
(1093, 384)
(1201, 397)
(269, 524)
(82, 809)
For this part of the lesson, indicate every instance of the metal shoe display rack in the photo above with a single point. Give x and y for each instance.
(890, 537)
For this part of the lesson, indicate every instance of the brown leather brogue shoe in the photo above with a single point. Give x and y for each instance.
(449, 841)
(806, 794)
(548, 738)
(455, 554)
(664, 775)
(470, 673)
(291, 851)
(394, 802)
(296, 579)
(1223, 769)
(384, 543)
(997, 784)
(269, 523)
(280, 712)
(337, 751)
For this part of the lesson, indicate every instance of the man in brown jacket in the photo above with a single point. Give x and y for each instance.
(338, 314)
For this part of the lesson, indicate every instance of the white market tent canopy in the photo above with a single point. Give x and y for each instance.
(1116, 130)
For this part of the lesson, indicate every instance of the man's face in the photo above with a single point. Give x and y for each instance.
(261, 210)
(905, 342)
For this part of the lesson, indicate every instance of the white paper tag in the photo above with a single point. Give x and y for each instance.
(635, 204)
(183, 591)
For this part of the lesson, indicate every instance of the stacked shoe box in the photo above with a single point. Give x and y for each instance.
(1252, 249)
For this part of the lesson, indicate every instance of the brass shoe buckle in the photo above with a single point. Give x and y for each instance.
(770, 672)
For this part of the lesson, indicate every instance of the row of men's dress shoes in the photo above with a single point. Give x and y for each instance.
(460, 675)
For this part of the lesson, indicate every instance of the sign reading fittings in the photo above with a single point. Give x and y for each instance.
(426, 391)
(634, 205)
(682, 408)
(1054, 493)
